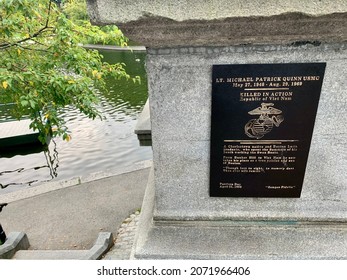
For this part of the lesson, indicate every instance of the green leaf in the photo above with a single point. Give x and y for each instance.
(24, 103)
(32, 104)
(35, 75)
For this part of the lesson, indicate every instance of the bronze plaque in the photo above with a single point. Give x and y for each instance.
(261, 127)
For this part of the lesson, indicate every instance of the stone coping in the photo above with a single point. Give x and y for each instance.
(143, 125)
(55, 185)
(115, 48)
(223, 23)
(122, 11)
(293, 28)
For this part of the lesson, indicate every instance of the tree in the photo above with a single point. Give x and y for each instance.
(44, 67)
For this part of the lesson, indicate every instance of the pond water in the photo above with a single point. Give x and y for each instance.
(96, 145)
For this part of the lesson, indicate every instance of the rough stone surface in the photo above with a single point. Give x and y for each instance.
(222, 22)
(180, 104)
(235, 239)
(179, 10)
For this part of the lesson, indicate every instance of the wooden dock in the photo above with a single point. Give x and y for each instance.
(17, 133)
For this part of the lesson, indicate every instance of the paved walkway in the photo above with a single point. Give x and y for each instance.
(71, 217)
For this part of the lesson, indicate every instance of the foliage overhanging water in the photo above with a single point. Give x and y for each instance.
(96, 145)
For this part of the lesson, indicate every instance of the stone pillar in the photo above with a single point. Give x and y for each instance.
(184, 39)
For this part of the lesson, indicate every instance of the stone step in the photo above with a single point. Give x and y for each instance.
(209, 240)
(15, 241)
(103, 243)
(51, 255)
(17, 244)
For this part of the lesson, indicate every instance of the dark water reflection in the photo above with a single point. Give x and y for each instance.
(96, 145)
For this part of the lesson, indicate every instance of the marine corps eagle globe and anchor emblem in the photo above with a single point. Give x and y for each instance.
(268, 117)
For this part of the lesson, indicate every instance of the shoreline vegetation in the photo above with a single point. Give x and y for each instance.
(44, 66)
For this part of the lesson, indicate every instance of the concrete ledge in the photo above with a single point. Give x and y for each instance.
(114, 11)
(57, 185)
(293, 28)
(224, 23)
(245, 242)
(115, 48)
(15, 241)
(143, 127)
(51, 255)
(146, 217)
(101, 246)
(103, 243)
(17, 133)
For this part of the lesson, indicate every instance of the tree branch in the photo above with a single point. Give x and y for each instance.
(38, 50)
(39, 43)
(49, 12)
(36, 34)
